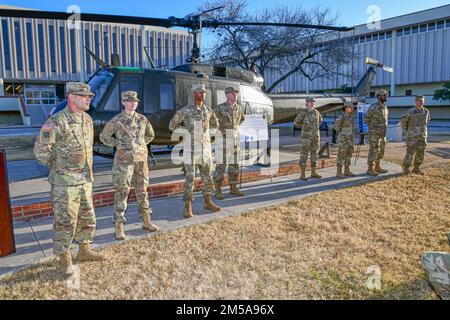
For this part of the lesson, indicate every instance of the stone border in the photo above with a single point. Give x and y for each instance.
(106, 198)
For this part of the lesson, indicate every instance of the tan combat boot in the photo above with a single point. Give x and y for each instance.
(314, 174)
(120, 235)
(234, 190)
(209, 205)
(378, 168)
(303, 173)
(406, 171)
(85, 253)
(219, 194)
(147, 223)
(339, 173)
(417, 170)
(371, 171)
(65, 264)
(347, 172)
(188, 209)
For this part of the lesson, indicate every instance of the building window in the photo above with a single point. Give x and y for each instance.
(106, 45)
(124, 50)
(415, 30)
(407, 31)
(114, 42)
(62, 40)
(159, 51)
(362, 39)
(139, 50)
(375, 37)
(132, 50)
(166, 50)
(448, 24)
(399, 32)
(432, 26)
(87, 43)
(440, 25)
(6, 44)
(41, 47)
(18, 46)
(181, 51)
(372, 94)
(382, 36)
(51, 34)
(30, 47)
(389, 35)
(423, 28)
(96, 45)
(72, 51)
(408, 93)
(174, 52)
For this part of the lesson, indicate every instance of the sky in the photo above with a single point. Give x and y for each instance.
(350, 12)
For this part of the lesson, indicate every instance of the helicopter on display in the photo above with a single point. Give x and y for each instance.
(163, 92)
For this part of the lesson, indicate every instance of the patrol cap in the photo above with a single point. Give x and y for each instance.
(382, 93)
(418, 97)
(231, 89)
(198, 88)
(79, 88)
(129, 96)
(309, 98)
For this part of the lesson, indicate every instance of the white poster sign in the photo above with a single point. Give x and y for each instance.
(254, 128)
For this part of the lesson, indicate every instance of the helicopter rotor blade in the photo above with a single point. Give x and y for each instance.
(88, 17)
(215, 24)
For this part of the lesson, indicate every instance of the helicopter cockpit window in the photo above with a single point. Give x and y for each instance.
(99, 84)
(221, 97)
(113, 103)
(249, 94)
(166, 96)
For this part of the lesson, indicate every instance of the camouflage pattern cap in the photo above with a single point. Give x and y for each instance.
(198, 88)
(79, 88)
(309, 98)
(382, 93)
(129, 96)
(231, 89)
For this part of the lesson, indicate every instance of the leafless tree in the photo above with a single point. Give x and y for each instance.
(312, 52)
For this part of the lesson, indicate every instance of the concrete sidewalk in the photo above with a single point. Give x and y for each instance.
(34, 238)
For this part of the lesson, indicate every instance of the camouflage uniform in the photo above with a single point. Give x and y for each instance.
(191, 119)
(65, 146)
(437, 268)
(415, 122)
(309, 121)
(130, 135)
(377, 120)
(345, 126)
(230, 117)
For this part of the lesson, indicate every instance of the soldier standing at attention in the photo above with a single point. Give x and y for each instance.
(377, 121)
(415, 122)
(197, 119)
(345, 126)
(230, 117)
(64, 145)
(130, 132)
(309, 121)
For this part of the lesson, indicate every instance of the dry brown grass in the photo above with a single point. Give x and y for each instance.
(316, 248)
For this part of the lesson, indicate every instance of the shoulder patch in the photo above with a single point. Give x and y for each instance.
(47, 134)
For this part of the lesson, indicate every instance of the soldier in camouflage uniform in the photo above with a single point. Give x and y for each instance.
(309, 121)
(377, 120)
(197, 119)
(415, 122)
(64, 145)
(129, 132)
(230, 117)
(345, 126)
